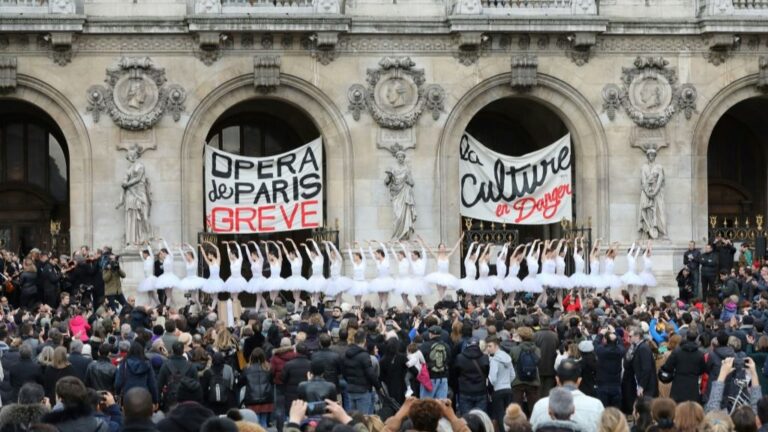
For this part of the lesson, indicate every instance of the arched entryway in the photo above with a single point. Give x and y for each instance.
(34, 180)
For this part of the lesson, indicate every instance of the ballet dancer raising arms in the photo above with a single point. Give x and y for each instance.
(235, 283)
(359, 284)
(168, 280)
(418, 258)
(317, 282)
(148, 284)
(512, 283)
(256, 282)
(612, 281)
(579, 279)
(596, 280)
(383, 284)
(530, 283)
(404, 280)
(214, 284)
(631, 279)
(483, 270)
(500, 278)
(274, 283)
(649, 280)
(442, 278)
(296, 283)
(337, 284)
(469, 282)
(191, 283)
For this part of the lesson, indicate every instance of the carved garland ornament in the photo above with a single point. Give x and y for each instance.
(650, 94)
(396, 95)
(136, 95)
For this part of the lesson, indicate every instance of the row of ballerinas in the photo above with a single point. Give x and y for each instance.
(551, 273)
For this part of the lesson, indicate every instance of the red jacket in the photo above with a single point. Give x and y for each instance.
(571, 306)
(280, 357)
(78, 325)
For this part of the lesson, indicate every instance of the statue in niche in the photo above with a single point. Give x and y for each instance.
(653, 221)
(399, 180)
(136, 199)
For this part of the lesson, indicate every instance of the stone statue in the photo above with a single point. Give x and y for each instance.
(400, 182)
(653, 221)
(136, 199)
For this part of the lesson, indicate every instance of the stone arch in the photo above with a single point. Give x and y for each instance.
(78, 142)
(589, 144)
(292, 90)
(742, 89)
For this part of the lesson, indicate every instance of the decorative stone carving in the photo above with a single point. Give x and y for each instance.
(468, 7)
(721, 47)
(399, 181)
(524, 70)
(650, 93)
(60, 45)
(327, 6)
(762, 77)
(135, 199)
(208, 7)
(578, 46)
(210, 46)
(8, 67)
(267, 41)
(524, 42)
(287, 41)
(719, 7)
(61, 6)
(266, 73)
(136, 95)
(583, 7)
(470, 45)
(652, 214)
(246, 40)
(396, 96)
(322, 46)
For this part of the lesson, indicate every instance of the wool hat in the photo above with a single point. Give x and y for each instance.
(586, 346)
(435, 330)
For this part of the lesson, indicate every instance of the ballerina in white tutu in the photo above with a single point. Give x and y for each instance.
(563, 282)
(359, 286)
(383, 284)
(631, 279)
(512, 283)
(418, 257)
(547, 276)
(483, 271)
(403, 280)
(317, 282)
(274, 282)
(612, 281)
(500, 278)
(191, 283)
(596, 280)
(649, 280)
(531, 283)
(579, 279)
(442, 278)
(337, 284)
(148, 284)
(214, 284)
(256, 282)
(469, 282)
(296, 283)
(168, 280)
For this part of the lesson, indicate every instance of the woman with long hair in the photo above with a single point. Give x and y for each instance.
(688, 417)
(28, 285)
(218, 384)
(663, 413)
(136, 371)
(641, 414)
(394, 370)
(59, 368)
(258, 383)
(227, 345)
(665, 350)
(612, 420)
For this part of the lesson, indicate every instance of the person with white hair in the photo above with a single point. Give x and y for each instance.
(478, 421)
(561, 408)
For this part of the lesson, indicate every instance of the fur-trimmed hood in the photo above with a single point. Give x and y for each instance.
(21, 414)
(76, 418)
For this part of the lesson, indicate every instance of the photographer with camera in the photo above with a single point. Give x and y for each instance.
(106, 409)
(113, 286)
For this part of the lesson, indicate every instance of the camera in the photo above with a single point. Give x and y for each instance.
(738, 362)
(316, 409)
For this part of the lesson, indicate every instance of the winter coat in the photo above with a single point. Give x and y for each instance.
(112, 282)
(331, 362)
(79, 326)
(79, 418)
(25, 371)
(725, 253)
(525, 346)
(258, 385)
(51, 376)
(709, 264)
(730, 287)
(393, 374)
(645, 369)
(426, 349)
(294, 373)
(471, 369)
(186, 417)
(589, 367)
(358, 371)
(80, 364)
(693, 262)
(609, 359)
(558, 426)
(547, 341)
(501, 373)
(49, 280)
(180, 364)
(140, 426)
(280, 357)
(134, 372)
(316, 390)
(18, 417)
(100, 375)
(687, 363)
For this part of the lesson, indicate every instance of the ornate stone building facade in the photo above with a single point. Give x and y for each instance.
(374, 77)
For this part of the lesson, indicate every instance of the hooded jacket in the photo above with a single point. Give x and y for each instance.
(358, 371)
(471, 369)
(79, 325)
(134, 372)
(502, 373)
(18, 417)
(688, 364)
(280, 357)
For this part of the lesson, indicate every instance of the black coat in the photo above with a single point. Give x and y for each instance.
(393, 373)
(139, 426)
(75, 419)
(645, 370)
(49, 278)
(725, 253)
(609, 358)
(692, 262)
(101, 376)
(548, 342)
(80, 364)
(317, 390)
(293, 374)
(709, 264)
(358, 371)
(331, 362)
(51, 376)
(471, 369)
(688, 364)
(258, 385)
(25, 371)
(589, 367)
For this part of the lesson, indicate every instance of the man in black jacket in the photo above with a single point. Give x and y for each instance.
(79, 362)
(294, 373)
(709, 270)
(644, 366)
(100, 374)
(471, 369)
(609, 357)
(317, 389)
(548, 342)
(437, 353)
(329, 360)
(360, 376)
(25, 371)
(691, 259)
(687, 364)
(725, 250)
(177, 364)
(730, 286)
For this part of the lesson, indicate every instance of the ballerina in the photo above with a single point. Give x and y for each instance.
(483, 270)
(500, 278)
(579, 279)
(256, 282)
(296, 283)
(214, 284)
(148, 284)
(383, 284)
(563, 282)
(442, 278)
(274, 283)
(168, 280)
(547, 276)
(191, 283)
(530, 283)
(612, 281)
(337, 284)
(418, 258)
(359, 286)
(649, 280)
(404, 280)
(596, 280)
(235, 283)
(631, 279)
(469, 282)
(317, 282)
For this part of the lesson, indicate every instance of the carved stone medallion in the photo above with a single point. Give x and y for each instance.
(136, 95)
(396, 95)
(650, 94)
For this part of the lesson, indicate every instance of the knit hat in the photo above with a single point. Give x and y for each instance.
(586, 346)
(87, 350)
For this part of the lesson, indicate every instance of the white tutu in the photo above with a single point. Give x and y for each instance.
(611, 281)
(563, 282)
(532, 285)
(631, 278)
(235, 284)
(191, 283)
(336, 286)
(167, 280)
(148, 284)
(548, 280)
(580, 280)
(382, 284)
(255, 285)
(213, 285)
(496, 282)
(358, 288)
(512, 284)
(316, 284)
(598, 282)
(649, 279)
(272, 284)
(443, 279)
(414, 286)
(295, 283)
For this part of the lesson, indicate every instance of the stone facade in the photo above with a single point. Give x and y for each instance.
(210, 51)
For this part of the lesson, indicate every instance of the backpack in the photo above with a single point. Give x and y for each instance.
(528, 365)
(220, 385)
(438, 359)
(178, 385)
(736, 390)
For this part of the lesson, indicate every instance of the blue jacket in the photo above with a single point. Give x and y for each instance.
(112, 416)
(660, 337)
(134, 372)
